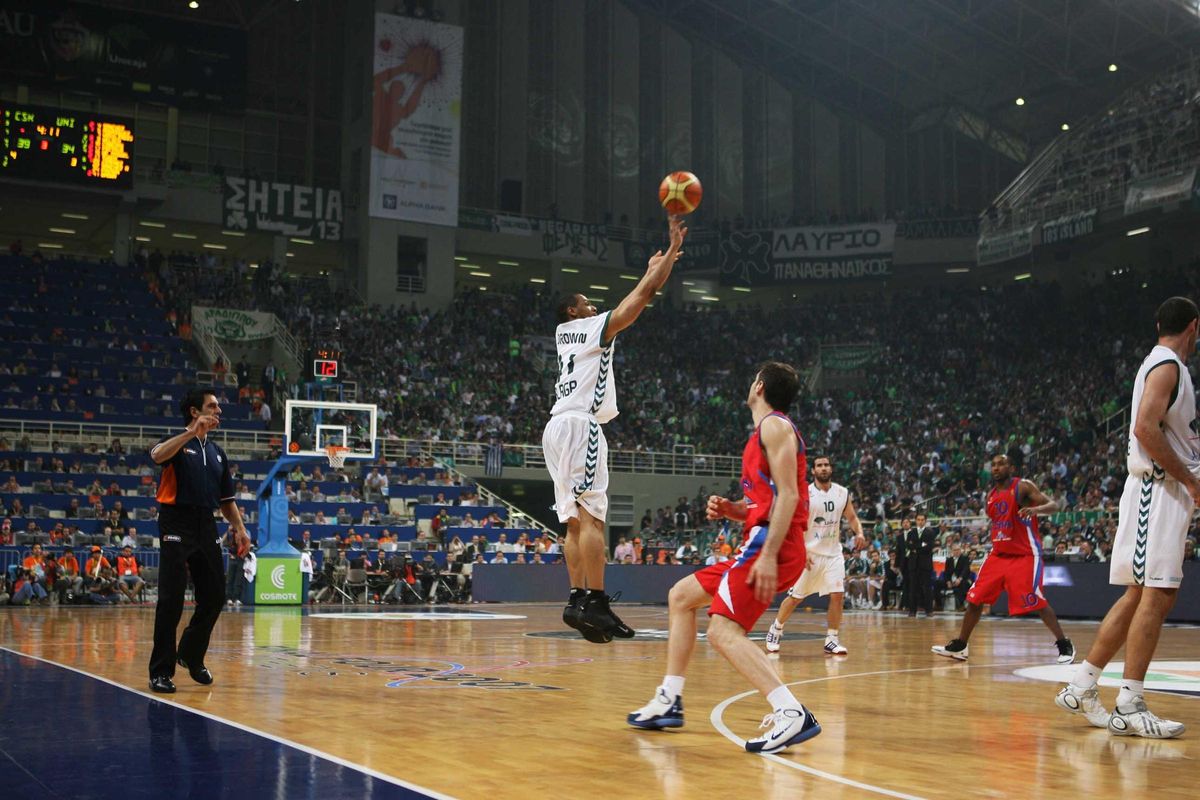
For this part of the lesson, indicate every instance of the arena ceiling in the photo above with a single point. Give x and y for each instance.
(911, 61)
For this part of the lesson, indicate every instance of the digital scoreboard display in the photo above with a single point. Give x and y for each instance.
(44, 144)
(325, 361)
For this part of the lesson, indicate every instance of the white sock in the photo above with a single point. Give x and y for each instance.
(673, 684)
(1086, 676)
(1131, 691)
(777, 624)
(832, 633)
(782, 698)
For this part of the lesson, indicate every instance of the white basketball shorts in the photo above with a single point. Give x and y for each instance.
(577, 457)
(1151, 532)
(822, 575)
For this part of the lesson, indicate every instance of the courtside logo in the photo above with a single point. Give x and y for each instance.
(1174, 677)
(277, 577)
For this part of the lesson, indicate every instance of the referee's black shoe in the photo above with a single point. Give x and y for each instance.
(199, 674)
(162, 684)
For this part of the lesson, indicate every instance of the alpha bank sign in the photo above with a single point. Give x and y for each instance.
(1068, 227)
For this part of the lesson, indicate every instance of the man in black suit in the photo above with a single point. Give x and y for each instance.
(957, 575)
(902, 561)
(919, 544)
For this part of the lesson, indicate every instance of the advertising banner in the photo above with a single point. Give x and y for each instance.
(1005, 246)
(564, 239)
(278, 582)
(416, 120)
(1154, 192)
(948, 228)
(1069, 227)
(801, 255)
(84, 47)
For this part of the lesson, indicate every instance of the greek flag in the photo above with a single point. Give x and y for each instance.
(493, 465)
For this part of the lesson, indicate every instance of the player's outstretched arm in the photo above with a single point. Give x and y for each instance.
(720, 508)
(1033, 501)
(658, 269)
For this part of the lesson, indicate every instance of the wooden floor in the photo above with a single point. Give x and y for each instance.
(477, 707)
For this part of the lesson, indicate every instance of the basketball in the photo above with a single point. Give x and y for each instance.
(680, 193)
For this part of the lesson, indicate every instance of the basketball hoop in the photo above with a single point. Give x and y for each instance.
(337, 455)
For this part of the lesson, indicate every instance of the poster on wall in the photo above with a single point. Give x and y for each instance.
(285, 209)
(416, 122)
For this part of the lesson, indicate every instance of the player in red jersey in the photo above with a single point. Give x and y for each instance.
(1015, 563)
(774, 515)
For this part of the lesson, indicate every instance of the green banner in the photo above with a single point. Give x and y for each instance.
(847, 357)
(232, 324)
(278, 582)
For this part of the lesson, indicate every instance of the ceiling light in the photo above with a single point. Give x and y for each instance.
(958, 270)
(482, 274)
(741, 288)
(214, 246)
(709, 297)
(1024, 276)
(482, 288)
(1112, 67)
(508, 263)
(183, 236)
(1020, 101)
(689, 283)
(696, 291)
(50, 245)
(142, 238)
(629, 277)
(537, 280)
(469, 266)
(67, 231)
(1066, 127)
(73, 216)
(193, 5)
(571, 270)
(233, 233)
(289, 255)
(599, 286)
(595, 300)
(302, 241)
(460, 258)
(148, 224)
(1137, 231)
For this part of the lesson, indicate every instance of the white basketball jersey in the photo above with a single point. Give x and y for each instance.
(825, 509)
(1176, 425)
(585, 369)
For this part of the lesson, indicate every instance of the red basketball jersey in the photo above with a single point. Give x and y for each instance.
(1011, 535)
(760, 489)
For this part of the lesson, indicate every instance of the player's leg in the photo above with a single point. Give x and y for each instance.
(791, 601)
(791, 723)
(985, 590)
(665, 709)
(1081, 695)
(957, 648)
(833, 618)
(1066, 650)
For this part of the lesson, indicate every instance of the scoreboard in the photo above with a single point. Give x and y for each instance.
(325, 361)
(44, 144)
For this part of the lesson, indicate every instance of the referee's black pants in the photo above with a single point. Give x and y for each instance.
(189, 541)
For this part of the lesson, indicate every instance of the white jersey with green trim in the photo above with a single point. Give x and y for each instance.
(585, 381)
(825, 509)
(1178, 425)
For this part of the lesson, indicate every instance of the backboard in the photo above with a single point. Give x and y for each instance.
(312, 425)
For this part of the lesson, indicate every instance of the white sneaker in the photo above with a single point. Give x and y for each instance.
(834, 648)
(950, 651)
(774, 637)
(663, 711)
(1137, 720)
(1083, 701)
(789, 726)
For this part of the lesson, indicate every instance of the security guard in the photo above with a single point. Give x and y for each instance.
(195, 480)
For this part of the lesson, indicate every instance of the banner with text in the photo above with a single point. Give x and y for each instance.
(1154, 192)
(416, 120)
(700, 252)
(563, 239)
(800, 255)
(1070, 226)
(940, 228)
(286, 209)
(1004, 246)
(232, 324)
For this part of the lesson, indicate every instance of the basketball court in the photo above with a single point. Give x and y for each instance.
(502, 701)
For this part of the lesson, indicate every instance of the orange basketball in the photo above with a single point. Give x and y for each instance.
(680, 193)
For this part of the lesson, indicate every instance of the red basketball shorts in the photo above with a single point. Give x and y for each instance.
(726, 581)
(1019, 576)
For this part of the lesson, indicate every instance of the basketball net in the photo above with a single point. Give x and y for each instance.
(336, 455)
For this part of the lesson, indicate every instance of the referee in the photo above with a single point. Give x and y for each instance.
(195, 480)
